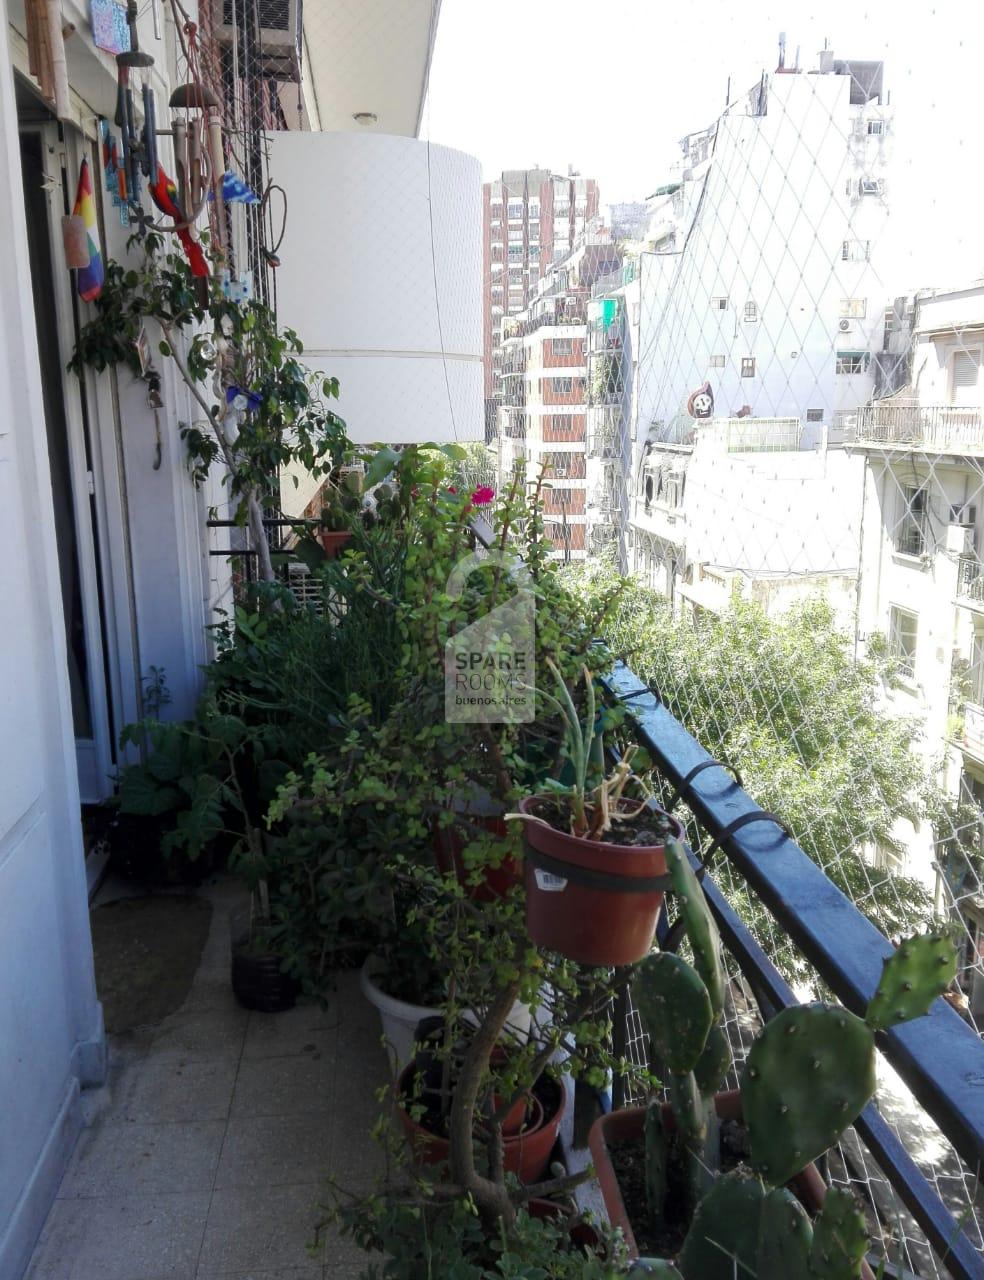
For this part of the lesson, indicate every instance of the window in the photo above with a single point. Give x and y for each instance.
(515, 235)
(534, 212)
(977, 669)
(562, 346)
(854, 308)
(515, 252)
(911, 535)
(885, 857)
(902, 629)
(534, 251)
(562, 497)
(515, 209)
(748, 367)
(515, 275)
(751, 312)
(876, 128)
(965, 375)
(851, 362)
(871, 186)
(814, 415)
(856, 251)
(562, 211)
(562, 422)
(563, 386)
(718, 362)
(719, 304)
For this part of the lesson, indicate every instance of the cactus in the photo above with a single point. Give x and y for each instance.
(808, 1075)
(657, 1161)
(784, 1238)
(713, 1062)
(675, 1009)
(913, 976)
(840, 1239)
(723, 1238)
(701, 929)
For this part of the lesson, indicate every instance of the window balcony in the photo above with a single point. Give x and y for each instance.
(970, 582)
(941, 428)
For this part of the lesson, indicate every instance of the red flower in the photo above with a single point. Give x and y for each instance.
(482, 496)
(452, 489)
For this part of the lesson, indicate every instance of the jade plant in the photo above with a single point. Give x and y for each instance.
(808, 1075)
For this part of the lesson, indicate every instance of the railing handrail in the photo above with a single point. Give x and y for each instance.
(939, 1057)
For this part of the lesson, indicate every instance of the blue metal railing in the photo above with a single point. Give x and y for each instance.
(939, 1057)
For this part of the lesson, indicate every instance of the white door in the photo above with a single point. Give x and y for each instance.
(49, 191)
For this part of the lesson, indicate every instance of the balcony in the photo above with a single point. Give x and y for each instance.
(970, 582)
(604, 429)
(927, 428)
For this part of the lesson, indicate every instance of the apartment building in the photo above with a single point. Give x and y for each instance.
(922, 562)
(531, 220)
(755, 296)
(545, 392)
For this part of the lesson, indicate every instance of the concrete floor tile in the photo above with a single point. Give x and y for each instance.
(314, 1272)
(284, 1086)
(169, 1090)
(143, 1160)
(306, 1029)
(261, 1230)
(154, 1237)
(201, 1036)
(270, 1151)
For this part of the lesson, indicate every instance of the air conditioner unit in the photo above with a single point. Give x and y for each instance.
(871, 186)
(276, 45)
(959, 539)
(844, 326)
(560, 472)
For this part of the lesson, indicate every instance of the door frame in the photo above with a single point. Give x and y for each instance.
(98, 489)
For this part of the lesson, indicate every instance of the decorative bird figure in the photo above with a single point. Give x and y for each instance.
(165, 196)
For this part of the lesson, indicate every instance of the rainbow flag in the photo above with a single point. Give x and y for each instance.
(89, 280)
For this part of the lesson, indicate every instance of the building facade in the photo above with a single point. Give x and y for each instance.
(531, 219)
(922, 571)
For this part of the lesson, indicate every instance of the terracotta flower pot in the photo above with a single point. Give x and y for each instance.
(526, 1154)
(620, 1127)
(333, 540)
(581, 1233)
(595, 903)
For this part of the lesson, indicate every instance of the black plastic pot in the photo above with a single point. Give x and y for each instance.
(257, 979)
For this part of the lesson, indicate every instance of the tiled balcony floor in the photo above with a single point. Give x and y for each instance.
(208, 1149)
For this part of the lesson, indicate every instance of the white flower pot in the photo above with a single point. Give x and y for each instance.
(400, 1019)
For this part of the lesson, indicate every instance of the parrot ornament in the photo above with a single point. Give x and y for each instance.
(165, 196)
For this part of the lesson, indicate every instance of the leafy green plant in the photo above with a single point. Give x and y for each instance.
(262, 409)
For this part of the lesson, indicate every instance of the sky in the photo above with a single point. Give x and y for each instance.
(610, 87)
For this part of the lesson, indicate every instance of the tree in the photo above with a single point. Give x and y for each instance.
(784, 701)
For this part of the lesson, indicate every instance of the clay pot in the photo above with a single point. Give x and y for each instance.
(333, 540)
(620, 1127)
(595, 903)
(526, 1154)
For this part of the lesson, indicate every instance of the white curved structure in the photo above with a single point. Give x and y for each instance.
(381, 277)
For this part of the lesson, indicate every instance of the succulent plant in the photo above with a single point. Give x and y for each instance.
(808, 1075)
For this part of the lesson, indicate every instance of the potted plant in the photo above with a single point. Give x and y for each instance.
(808, 1075)
(341, 504)
(595, 856)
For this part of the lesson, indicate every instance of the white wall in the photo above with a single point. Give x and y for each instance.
(51, 1040)
(381, 277)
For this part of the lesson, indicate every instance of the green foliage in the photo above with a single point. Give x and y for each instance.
(808, 1075)
(723, 1237)
(705, 941)
(914, 975)
(785, 1237)
(424, 1239)
(840, 1238)
(675, 1009)
(785, 701)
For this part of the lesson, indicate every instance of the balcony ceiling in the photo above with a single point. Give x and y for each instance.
(370, 55)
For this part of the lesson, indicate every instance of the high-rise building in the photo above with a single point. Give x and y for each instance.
(532, 219)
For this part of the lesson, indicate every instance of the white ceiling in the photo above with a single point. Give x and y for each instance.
(370, 55)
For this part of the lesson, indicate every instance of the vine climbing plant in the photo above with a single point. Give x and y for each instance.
(262, 408)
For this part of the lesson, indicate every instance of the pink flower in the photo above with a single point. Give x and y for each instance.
(482, 496)
(452, 489)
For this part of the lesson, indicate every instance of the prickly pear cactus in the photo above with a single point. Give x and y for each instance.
(701, 928)
(784, 1239)
(808, 1075)
(656, 1161)
(723, 1238)
(714, 1061)
(919, 970)
(840, 1238)
(675, 1009)
(654, 1269)
(688, 1107)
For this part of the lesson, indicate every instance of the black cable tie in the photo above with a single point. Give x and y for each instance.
(684, 786)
